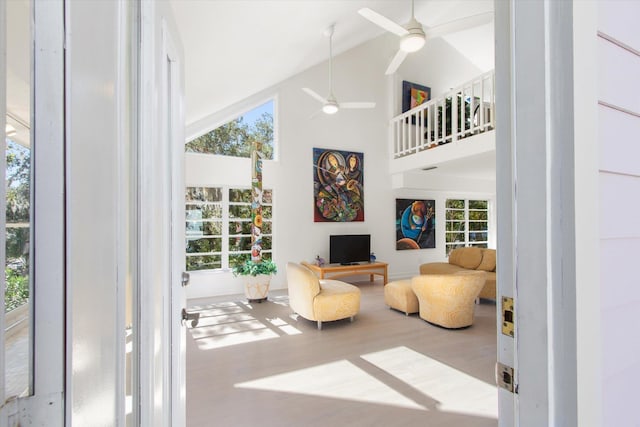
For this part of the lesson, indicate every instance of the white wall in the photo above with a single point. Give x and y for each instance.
(619, 125)
(358, 76)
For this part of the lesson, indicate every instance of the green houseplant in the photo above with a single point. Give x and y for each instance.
(250, 268)
(257, 277)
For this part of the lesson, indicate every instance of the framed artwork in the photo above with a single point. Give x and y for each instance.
(338, 186)
(415, 224)
(413, 95)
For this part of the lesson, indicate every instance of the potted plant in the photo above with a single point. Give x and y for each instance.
(257, 277)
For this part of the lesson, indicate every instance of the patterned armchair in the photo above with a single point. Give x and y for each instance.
(320, 300)
(448, 300)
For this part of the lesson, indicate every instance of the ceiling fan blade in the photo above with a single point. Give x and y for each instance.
(314, 95)
(357, 104)
(460, 24)
(383, 21)
(396, 61)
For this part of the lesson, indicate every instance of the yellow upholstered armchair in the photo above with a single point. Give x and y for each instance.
(448, 300)
(320, 300)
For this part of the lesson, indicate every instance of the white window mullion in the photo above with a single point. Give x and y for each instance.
(466, 222)
(225, 227)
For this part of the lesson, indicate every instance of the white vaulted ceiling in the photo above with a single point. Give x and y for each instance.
(236, 48)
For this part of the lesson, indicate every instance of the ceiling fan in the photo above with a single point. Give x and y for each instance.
(330, 104)
(413, 36)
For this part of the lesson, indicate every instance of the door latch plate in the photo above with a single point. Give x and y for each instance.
(504, 377)
(508, 326)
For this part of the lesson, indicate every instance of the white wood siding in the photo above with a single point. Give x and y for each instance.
(619, 201)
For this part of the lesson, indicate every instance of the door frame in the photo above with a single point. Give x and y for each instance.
(546, 152)
(45, 403)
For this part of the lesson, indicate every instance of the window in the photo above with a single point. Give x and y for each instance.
(467, 223)
(218, 227)
(204, 228)
(234, 138)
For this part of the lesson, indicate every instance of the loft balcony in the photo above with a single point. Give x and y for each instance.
(457, 125)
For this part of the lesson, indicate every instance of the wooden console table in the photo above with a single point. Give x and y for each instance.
(331, 271)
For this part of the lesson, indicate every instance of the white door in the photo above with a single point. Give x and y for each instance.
(173, 140)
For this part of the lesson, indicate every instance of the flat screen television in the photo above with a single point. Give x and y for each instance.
(347, 249)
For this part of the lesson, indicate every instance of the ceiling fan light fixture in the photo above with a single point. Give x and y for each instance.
(330, 108)
(412, 42)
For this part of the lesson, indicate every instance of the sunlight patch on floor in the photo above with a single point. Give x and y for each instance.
(284, 326)
(219, 341)
(337, 380)
(225, 324)
(224, 318)
(455, 391)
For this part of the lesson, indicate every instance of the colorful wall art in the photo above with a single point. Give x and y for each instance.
(338, 186)
(415, 224)
(413, 95)
(256, 202)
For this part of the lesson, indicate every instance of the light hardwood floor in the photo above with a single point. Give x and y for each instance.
(260, 365)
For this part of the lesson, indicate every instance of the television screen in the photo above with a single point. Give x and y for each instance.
(349, 248)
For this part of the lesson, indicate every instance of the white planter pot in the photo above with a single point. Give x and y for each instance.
(256, 288)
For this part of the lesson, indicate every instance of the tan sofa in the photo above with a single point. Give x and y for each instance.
(320, 300)
(463, 259)
(448, 300)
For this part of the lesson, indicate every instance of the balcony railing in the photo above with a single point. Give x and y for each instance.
(460, 113)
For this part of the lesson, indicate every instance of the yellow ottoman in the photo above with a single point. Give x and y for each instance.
(400, 296)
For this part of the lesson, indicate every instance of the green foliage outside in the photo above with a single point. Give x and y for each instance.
(204, 262)
(235, 138)
(17, 213)
(17, 291)
(459, 217)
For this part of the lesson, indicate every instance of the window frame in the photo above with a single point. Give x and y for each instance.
(449, 246)
(226, 220)
(213, 204)
(210, 123)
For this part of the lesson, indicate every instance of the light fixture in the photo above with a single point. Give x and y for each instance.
(331, 107)
(9, 130)
(413, 41)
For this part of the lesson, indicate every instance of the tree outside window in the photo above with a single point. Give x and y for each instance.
(235, 137)
(17, 216)
(467, 223)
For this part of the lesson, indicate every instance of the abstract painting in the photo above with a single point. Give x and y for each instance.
(338, 186)
(413, 95)
(415, 224)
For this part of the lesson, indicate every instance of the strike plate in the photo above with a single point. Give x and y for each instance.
(508, 318)
(504, 377)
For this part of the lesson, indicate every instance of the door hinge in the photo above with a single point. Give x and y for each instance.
(508, 317)
(505, 377)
